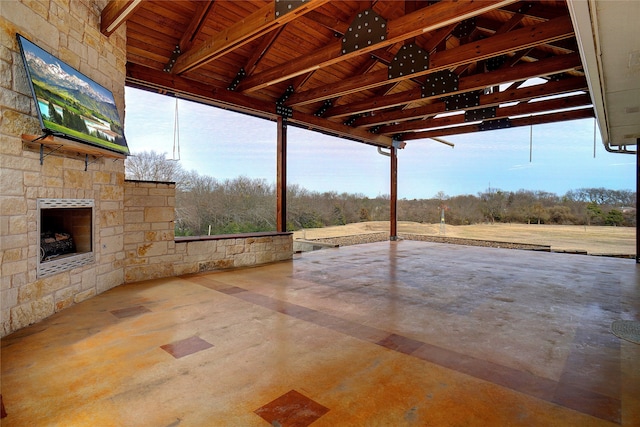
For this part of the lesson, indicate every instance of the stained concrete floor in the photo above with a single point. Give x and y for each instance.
(384, 334)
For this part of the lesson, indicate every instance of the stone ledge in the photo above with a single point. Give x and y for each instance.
(182, 239)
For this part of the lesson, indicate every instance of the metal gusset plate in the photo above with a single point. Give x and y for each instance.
(557, 77)
(323, 109)
(464, 28)
(283, 7)
(479, 114)
(287, 93)
(367, 28)
(525, 8)
(351, 120)
(496, 62)
(172, 59)
(237, 79)
(409, 60)
(495, 124)
(284, 111)
(440, 83)
(462, 101)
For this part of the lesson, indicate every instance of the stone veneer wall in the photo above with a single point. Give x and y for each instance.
(152, 251)
(149, 212)
(133, 229)
(70, 31)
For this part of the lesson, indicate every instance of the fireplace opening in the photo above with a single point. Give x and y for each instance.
(65, 234)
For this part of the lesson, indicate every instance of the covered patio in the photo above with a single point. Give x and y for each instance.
(383, 334)
(391, 333)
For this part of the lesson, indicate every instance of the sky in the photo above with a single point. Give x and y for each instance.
(222, 144)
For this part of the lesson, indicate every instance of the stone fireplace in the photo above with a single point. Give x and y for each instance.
(65, 231)
(56, 188)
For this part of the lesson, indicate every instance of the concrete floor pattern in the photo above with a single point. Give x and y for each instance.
(385, 334)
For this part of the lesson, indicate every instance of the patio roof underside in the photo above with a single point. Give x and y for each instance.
(371, 71)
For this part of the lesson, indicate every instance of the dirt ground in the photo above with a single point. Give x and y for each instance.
(593, 239)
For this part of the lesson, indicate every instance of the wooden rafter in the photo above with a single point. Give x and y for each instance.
(501, 112)
(329, 22)
(294, 64)
(424, 20)
(451, 58)
(244, 31)
(115, 13)
(491, 100)
(203, 9)
(525, 71)
(583, 113)
(263, 48)
(146, 78)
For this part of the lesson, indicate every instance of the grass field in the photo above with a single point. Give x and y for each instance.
(593, 239)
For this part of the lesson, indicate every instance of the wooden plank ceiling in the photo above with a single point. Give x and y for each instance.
(371, 71)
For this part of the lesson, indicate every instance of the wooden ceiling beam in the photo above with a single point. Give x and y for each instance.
(583, 113)
(573, 101)
(311, 122)
(430, 18)
(261, 51)
(523, 71)
(329, 22)
(146, 78)
(538, 11)
(203, 9)
(115, 13)
(497, 45)
(242, 32)
(508, 95)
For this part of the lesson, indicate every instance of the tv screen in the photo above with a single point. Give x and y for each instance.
(70, 104)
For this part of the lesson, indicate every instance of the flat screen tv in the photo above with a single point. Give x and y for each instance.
(69, 104)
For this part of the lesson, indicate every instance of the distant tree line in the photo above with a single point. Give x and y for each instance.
(205, 205)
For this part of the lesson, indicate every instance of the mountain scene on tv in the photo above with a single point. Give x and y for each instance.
(71, 104)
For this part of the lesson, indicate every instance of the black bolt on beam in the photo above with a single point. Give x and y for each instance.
(287, 93)
(462, 101)
(480, 114)
(351, 120)
(409, 60)
(238, 78)
(464, 28)
(284, 111)
(172, 59)
(323, 109)
(285, 6)
(439, 83)
(525, 8)
(495, 124)
(366, 29)
(494, 63)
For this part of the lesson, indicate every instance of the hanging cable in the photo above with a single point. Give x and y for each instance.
(176, 134)
(530, 143)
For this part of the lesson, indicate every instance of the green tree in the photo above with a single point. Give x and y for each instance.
(593, 212)
(614, 217)
(338, 216)
(54, 116)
